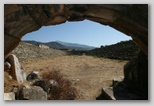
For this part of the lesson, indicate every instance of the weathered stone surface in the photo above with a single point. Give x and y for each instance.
(9, 96)
(136, 75)
(19, 19)
(17, 71)
(30, 93)
(34, 93)
(106, 94)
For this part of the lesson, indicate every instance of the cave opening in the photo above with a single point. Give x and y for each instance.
(133, 76)
(78, 64)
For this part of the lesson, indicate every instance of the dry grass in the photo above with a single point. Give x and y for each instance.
(64, 91)
(87, 74)
(8, 82)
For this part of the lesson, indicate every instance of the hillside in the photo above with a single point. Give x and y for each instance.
(54, 45)
(26, 51)
(124, 50)
(62, 45)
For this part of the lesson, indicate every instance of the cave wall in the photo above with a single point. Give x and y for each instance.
(131, 19)
(19, 19)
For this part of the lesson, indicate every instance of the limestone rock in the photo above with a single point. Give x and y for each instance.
(106, 94)
(17, 71)
(9, 96)
(30, 93)
(34, 93)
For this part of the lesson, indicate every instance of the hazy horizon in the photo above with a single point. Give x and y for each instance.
(72, 42)
(83, 32)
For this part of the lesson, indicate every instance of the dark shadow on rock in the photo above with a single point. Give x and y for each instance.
(119, 93)
(135, 83)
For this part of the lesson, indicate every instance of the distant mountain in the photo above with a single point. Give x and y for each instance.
(62, 45)
(76, 45)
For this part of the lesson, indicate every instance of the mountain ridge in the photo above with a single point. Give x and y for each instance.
(76, 45)
(61, 45)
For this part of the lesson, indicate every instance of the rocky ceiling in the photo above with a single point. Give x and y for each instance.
(19, 19)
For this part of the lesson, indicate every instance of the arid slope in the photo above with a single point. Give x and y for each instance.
(88, 74)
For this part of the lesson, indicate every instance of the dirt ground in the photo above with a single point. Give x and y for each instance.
(88, 74)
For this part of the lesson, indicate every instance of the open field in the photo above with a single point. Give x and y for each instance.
(88, 74)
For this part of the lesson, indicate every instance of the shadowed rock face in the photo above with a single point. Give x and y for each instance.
(20, 19)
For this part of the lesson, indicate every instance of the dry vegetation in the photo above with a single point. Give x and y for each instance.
(64, 91)
(8, 82)
(86, 73)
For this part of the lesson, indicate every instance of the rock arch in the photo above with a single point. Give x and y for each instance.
(131, 19)
(20, 19)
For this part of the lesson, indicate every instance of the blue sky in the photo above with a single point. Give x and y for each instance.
(82, 32)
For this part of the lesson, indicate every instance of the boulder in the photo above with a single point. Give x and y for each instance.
(9, 96)
(34, 93)
(30, 93)
(44, 84)
(17, 71)
(32, 76)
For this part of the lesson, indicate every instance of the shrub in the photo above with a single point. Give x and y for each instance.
(64, 91)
